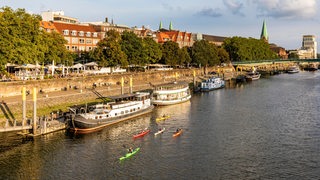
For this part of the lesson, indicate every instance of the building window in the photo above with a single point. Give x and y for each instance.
(81, 41)
(74, 33)
(74, 40)
(74, 48)
(88, 34)
(95, 42)
(95, 34)
(88, 41)
(81, 33)
(68, 47)
(66, 32)
(82, 48)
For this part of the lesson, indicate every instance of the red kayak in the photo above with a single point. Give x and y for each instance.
(144, 132)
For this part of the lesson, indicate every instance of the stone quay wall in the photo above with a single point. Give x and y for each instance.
(74, 90)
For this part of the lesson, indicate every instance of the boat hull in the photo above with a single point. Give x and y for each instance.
(211, 89)
(171, 102)
(82, 126)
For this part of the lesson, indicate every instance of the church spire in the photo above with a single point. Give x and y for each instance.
(170, 26)
(160, 25)
(264, 32)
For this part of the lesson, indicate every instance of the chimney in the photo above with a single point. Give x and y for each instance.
(106, 19)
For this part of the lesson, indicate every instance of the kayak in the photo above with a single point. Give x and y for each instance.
(128, 155)
(162, 118)
(160, 131)
(141, 134)
(177, 133)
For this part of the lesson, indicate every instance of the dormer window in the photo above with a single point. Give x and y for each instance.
(74, 33)
(81, 33)
(65, 32)
(88, 34)
(95, 34)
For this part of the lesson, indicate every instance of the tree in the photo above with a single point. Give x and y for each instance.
(132, 46)
(109, 52)
(170, 53)
(184, 57)
(204, 53)
(152, 50)
(223, 55)
(248, 49)
(22, 41)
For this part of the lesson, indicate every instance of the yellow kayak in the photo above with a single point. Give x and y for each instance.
(162, 118)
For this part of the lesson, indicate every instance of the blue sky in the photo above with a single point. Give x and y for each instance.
(287, 20)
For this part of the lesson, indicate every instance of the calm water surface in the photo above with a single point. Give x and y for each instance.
(267, 129)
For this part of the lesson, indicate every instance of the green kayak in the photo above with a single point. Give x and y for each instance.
(128, 155)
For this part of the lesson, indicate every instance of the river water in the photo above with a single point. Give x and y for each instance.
(266, 129)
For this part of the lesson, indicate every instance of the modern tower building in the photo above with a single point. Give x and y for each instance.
(309, 44)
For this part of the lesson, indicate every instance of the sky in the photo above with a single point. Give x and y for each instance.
(287, 20)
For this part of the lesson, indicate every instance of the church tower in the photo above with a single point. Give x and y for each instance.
(264, 32)
(170, 26)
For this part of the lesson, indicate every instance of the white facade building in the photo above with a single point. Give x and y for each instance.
(309, 47)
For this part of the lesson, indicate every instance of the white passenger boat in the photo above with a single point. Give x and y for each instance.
(212, 83)
(251, 76)
(123, 107)
(293, 69)
(171, 93)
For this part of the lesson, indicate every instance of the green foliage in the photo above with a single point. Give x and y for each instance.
(204, 53)
(223, 55)
(183, 56)
(170, 53)
(152, 50)
(248, 49)
(133, 47)
(22, 41)
(293, 55)
(109, 52)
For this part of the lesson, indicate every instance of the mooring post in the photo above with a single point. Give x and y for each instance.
(23, 106)
(131, 85)
(122, 85)
(176, 76)
(194, 79)
(34, 111)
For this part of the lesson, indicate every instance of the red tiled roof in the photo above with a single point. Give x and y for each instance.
(47, 25)
(71, 27)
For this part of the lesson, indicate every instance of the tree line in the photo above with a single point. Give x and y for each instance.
(22, 41)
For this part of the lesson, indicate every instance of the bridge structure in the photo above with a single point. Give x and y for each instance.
(270, 66)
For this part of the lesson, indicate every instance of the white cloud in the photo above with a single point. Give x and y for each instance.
(234, 6)
(287, 9)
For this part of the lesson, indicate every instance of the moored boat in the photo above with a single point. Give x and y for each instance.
(293, 69)
(251, 76)
(212, 83)
(171, 93)
(142, 133)
(98, 116)
(160, 131)
(129, 154)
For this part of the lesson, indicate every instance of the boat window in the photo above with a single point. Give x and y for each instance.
(126, 111)
(96, 117)
(115, 114)
(122, 112)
